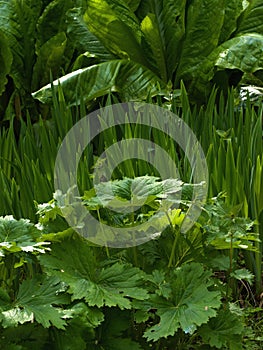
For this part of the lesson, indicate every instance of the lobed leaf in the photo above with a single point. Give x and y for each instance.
(190, 304)
(110, 286)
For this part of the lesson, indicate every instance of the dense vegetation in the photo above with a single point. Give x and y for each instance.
(61, 60)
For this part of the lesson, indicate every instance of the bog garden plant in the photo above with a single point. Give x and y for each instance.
(196, 290)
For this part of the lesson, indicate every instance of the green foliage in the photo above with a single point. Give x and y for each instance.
(200, 42)
(109, 286)
(102, 300)
(223, 331)
(188, 303)
(31, 304)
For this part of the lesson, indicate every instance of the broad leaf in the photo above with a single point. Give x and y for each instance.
(190, 303)
(252, 19)
(243, 274)
(82, 39)
(204, 22)
(129, 79)
(152, 35)
(233, 9)
(244, 52)
(111, 286)
(19, 235)
(164, 28)
(50, 56)
(18, 21)
(53, 20)
(34, 302)
(116, 27)
(133, 4)
(224, 330)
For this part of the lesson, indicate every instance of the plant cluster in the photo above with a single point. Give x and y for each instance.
(59, 61)
(60, 292)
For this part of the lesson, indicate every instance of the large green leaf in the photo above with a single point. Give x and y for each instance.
(252, 19)
(18, 21)
(5, 61)
(111, 285)
(53, 20)
(203, 25)
(133, 4)
(81, 38)
(243, 52)
(164, 28)
(224, 330)
(129, 79)
(116, 27)
(151, 32)
(49, 58)
(190, 303)
(34, 302)
(233, 9)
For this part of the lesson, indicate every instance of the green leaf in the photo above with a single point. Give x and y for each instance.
(164, 28)
(114, 331)
(224, 330)
(150, 29)
(5, 61)
(233, 9)
(110, 286)
(86, 316)
(243, 274)
(129, 79)
(49, 58)
(244, 52)
(190, 304)
(133, 4)
(82, 39)
(34, 301)
(53, 20)
(20, 235)
(27, 336)
(116, 27)
(204, 22)
(18, 21)
(252, 18)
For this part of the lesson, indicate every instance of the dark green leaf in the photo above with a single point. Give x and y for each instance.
(190, 303)
(116, 27)
(110, 286)
(34, 302)
(82, 39)
(203, 24)
(224, 330)
(252, 19)
(5, 61)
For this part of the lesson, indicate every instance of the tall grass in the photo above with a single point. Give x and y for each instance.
(231, 136)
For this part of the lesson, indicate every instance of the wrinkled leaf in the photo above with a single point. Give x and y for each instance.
(34, 301)
(190, 303)
(111, 286)
(224, 330)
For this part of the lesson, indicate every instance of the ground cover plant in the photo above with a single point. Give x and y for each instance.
(196, 290)
(161, 297)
